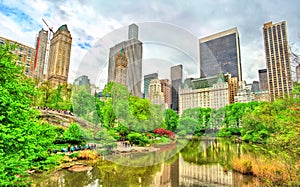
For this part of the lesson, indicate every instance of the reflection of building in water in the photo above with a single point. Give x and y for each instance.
(163, 178)
(191, 174)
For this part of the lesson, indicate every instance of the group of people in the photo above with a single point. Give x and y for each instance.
(71, 149)
(58, 111)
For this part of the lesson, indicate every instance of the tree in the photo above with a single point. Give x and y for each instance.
(24, 140)
(74, 134)
(171, 119)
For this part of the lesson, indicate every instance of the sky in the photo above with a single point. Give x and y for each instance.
(100, 23)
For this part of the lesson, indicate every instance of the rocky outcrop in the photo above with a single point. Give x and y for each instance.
(64, 120)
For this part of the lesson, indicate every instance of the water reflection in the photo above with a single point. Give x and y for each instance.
(200, 163)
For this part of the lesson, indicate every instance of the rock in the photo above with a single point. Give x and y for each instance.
(80, 168)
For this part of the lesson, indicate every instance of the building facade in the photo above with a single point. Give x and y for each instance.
(133, 49)
(176, 82)
(40, 54)
(25, 55)
(147, 79)
(263, 79)
(121, 68)
(277, 59)
(59, 56)
(166, 90)
(211, 92)
(155, 95)
(220, 53)
(298, 73)
(244, 94)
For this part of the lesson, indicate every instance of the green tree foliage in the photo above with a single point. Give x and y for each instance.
(23, 139)
(84, 105)
(74, 134)
(171, 119)
(187, 124)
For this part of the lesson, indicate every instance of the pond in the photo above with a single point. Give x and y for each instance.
(198, 162)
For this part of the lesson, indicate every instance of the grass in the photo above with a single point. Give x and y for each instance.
(271, 171)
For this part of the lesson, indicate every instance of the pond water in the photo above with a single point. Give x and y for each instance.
(205, 162)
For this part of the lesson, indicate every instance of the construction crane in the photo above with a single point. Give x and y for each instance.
(50, 29)
(47, 47)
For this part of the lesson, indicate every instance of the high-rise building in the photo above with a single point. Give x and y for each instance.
(176, 81)
(298, 73)
(59, 56)
(24, 53)
(263, 79)
(133, 50)
(255, 87)
(147, 79)
(40, 54)
(133, 31)
(220, 53)
(277, 59)
(166, 89)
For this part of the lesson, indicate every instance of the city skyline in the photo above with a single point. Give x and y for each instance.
(98, 20)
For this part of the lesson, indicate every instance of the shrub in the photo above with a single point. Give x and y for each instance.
(138, 139)
(164, 132)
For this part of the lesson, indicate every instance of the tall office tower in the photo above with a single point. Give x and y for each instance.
(220, 53)
(40, 54)
(82, 82)
(277, 60)
(147, 79)
(133, 31)
(24, 53)
(166, 89)
(255, 86)
(133, 50)
(176, 81)
(59, 57)
(298, 73)
(263, 79)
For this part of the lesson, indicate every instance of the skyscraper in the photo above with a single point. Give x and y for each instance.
(277, 59)
(59, 57)
(220, 53)
(263, 79)
(133, 49)
(40, 54)
(176, 81)
(147, 79)
(133, 31)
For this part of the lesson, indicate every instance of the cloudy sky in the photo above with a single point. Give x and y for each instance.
(92, 21)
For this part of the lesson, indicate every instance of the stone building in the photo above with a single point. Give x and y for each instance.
(59, 56)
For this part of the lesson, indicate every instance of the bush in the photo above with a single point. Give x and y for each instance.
(181, 133)
(138, 139)
(164, 132)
